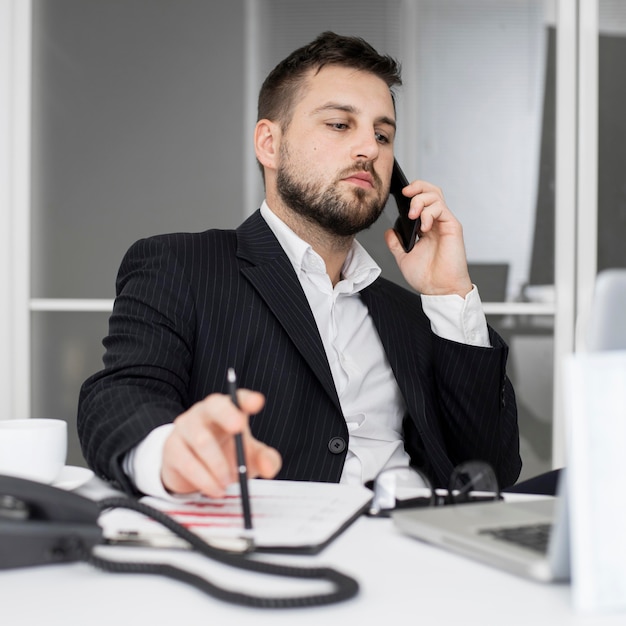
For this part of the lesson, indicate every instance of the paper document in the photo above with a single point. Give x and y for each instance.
(287, 516)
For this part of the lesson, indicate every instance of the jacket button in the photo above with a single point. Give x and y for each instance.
(337, 445)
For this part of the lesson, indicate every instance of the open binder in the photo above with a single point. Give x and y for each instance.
(288, 516)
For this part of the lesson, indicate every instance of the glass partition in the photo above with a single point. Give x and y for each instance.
(611, 134)
(140, 125)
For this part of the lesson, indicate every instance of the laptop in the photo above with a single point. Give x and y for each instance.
(527, 537)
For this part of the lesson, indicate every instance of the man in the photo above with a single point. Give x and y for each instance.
(342, 372)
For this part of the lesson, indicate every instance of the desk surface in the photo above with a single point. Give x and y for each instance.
(398, 577)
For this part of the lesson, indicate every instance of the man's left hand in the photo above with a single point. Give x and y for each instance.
(437, 265)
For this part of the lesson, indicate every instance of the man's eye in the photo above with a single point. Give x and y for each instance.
(381, 138)
(338, 125)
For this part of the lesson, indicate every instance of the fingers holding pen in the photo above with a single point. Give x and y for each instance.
(196, 454)
(199, 455)
(262, 460)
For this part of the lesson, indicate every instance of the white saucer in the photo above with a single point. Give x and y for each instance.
(72, 477)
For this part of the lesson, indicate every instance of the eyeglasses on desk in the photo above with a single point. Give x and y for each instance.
(408, 487)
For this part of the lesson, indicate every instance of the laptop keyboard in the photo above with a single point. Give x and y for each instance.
(534, 536)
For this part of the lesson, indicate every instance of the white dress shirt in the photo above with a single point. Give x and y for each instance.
(370, 399)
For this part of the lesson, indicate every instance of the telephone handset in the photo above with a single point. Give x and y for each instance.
(42, 524)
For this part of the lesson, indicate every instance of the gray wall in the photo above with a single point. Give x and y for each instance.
(137, 129)
(138, 109)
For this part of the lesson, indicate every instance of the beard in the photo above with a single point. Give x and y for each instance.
(337, 213)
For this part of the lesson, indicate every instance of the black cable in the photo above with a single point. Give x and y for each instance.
(345, 587)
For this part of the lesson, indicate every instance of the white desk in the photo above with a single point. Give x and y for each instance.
(399, 578)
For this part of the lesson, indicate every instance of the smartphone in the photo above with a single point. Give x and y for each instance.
(406, 228)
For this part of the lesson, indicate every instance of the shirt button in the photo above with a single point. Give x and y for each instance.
(337, 445)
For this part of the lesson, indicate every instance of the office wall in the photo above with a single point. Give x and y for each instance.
(138, 109)
(137, 129)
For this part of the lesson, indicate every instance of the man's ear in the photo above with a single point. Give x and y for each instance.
(266, 143)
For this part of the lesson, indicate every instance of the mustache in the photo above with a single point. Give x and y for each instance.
(362, 166)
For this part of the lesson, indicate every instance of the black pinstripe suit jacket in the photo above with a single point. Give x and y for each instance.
(188, 306)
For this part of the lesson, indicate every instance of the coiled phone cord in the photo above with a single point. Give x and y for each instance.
(345, 587)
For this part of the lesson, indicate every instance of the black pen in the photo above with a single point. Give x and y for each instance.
(241, 457)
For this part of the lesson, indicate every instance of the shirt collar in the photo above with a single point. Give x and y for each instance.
(359, 269)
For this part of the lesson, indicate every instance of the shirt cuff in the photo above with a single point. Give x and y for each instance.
(143, 463)
(458, 319)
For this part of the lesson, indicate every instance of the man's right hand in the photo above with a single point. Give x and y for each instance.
(199, 455)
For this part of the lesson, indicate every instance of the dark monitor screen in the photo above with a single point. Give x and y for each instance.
(611, 163)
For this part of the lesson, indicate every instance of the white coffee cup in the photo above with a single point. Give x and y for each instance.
(34, 448)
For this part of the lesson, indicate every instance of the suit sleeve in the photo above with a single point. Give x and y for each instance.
(478, 402)
(147, 360)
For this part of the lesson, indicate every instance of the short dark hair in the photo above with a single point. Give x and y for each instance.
(280, 89)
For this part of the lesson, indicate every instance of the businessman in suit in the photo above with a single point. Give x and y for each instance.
(342, 372)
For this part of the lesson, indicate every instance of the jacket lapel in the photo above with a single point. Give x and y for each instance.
(395, 328)
(270, 272)
(394, 331)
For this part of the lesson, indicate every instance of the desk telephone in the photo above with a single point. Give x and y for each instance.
(41, 524)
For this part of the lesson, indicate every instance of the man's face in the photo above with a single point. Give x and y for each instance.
(336, 155)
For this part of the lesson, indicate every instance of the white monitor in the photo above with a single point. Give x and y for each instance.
(606, 324)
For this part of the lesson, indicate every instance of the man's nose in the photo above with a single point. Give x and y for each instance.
(366, 146)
